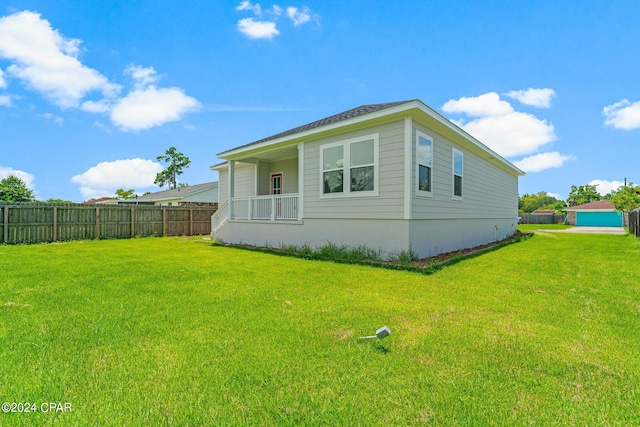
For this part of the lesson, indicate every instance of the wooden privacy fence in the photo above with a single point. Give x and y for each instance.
(542, 219)
(634, 222)
(35, 222)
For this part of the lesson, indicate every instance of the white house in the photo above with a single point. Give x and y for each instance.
(193, 195)
(393, 176)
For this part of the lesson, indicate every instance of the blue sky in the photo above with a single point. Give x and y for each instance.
(91, 92)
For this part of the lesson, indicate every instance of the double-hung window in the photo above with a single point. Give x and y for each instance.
(458, 160)
(424, 161)
(350, 168)
(333, 169)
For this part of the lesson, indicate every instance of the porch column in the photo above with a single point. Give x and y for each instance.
(232, 164)
(300, 180)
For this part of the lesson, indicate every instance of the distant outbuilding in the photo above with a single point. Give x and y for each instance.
(601, 213)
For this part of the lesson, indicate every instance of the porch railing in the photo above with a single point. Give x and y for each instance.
(279, 207)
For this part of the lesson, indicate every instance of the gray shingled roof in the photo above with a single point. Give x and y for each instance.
(175, 193)
(599, 204)
(345, 115)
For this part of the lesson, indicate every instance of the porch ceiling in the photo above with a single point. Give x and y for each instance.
(271, 155)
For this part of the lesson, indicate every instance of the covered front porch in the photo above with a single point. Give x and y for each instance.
(261, 187)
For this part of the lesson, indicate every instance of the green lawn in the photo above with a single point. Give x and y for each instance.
(172, 331)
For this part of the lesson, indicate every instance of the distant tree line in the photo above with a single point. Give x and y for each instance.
(625, 198)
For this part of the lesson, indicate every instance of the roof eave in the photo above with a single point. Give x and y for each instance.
(289, 139)
(479, 145)
(387, 114)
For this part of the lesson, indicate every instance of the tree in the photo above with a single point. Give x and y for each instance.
(531, 202)
(583, 194)
(123, 194)
(177, 161)
(13, 189)
(59, 201)
(626, 198)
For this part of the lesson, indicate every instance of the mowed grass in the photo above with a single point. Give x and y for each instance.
(172, 331)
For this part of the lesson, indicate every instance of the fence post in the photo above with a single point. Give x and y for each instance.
(190, 222)
(133, 216)
(97, 222)
(55, 223)
(6, 223)
(164, 222)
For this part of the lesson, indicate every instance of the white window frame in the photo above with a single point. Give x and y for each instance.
(346, 175)
(454, 174)
(419, 192)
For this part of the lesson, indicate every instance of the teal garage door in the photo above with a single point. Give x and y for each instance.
(599, 219)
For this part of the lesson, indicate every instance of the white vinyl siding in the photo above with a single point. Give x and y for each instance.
(489, 191)
(389, 204)
(289, 170)
(223, 186)
(208, 196)
(245, 184)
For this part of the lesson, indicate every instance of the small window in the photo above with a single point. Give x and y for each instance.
(424, 161)
(350, 167)
(333, 169)
(362, 165)
(457, 173)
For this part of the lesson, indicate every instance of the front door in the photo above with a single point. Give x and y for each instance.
(276, 183)
(276, 188)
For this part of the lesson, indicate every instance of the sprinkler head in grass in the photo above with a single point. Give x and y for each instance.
(380, 334)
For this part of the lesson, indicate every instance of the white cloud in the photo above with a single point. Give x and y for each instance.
(106, 177)
(539, 98)
(623, 115)
(102, 126)
(556, 195)
(47, 62)
(507, 132)
(485, 105)
(149, 107)
(28, 179)
(3, 82)
(542, 161)
(247, 5)
(605, 187)
(57, 119)
(143, 76)
(266, 28)
(146, 106)
(298, 17)
(257, 29)
(102, 106)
